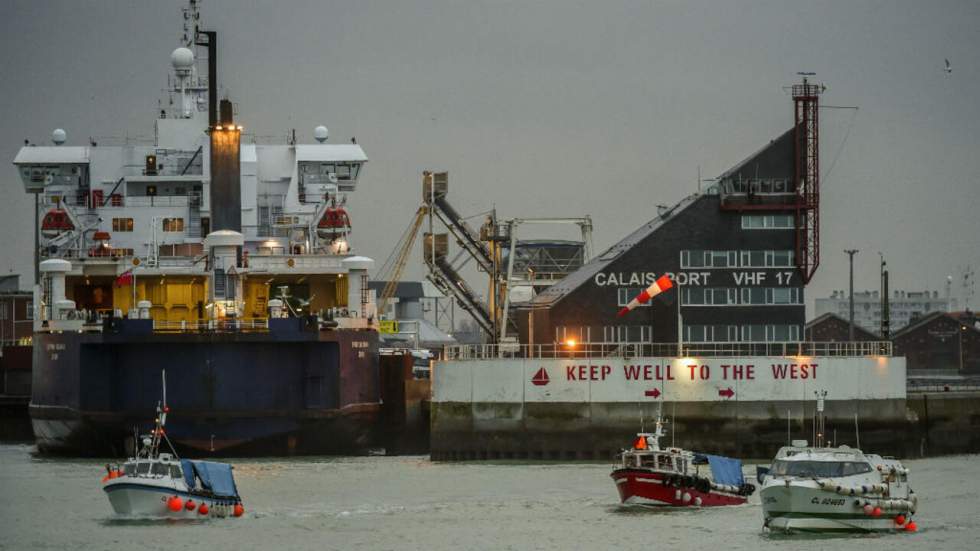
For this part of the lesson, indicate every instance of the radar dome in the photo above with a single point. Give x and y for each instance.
(59, 136)
(182, 59)
(320, 133)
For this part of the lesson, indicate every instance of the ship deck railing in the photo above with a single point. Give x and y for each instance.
(211, 326)
(868, 349)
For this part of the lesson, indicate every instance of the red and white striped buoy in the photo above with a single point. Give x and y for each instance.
(653, 290)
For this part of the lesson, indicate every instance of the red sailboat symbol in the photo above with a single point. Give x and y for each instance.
(540, 378)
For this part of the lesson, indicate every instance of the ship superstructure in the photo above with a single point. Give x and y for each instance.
(202, 236)
(110, 209)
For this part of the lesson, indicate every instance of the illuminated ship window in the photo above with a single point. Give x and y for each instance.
(122, 224)
(173, 224)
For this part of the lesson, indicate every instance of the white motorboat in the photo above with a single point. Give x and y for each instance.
(820, 489)
(162, 485)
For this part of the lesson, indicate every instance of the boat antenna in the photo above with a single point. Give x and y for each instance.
(857, 433)
(640, 405)
(789, 436)
(673, 423)
(819, 418)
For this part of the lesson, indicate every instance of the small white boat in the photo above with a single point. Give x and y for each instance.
(822, 489)
(162, 485)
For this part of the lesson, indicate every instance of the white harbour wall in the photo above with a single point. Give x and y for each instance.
(652, 380)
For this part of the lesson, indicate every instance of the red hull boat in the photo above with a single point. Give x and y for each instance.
(653, 476)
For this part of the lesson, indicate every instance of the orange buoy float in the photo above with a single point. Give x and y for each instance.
(900, 520)
(911, 526)
(190, 505)
(203, 509)
(238, 510)
(868, 509)
(175, 504)
(876, 512)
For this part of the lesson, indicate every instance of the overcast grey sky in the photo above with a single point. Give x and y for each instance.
(549, 108)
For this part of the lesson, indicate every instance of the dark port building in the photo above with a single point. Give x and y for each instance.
(740, 254)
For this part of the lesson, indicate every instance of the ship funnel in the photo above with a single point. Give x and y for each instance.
(226, 193)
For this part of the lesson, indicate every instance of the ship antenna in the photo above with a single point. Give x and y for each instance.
(857, 433)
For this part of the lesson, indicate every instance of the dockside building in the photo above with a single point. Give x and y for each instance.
(731, 251)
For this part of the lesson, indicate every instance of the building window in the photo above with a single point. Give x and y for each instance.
(692, 259)
(753, 333)
(173, 224)
(709, 296)
(710, 333)
(771, 333)
(3, 311)
(30, 309)
(736, 259)
(625, 294)
(565, 333)
(122, 224)
(767, 221)
(780, 295)
(615, 333)
(779, 259)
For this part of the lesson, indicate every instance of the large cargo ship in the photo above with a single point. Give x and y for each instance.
(225, 261)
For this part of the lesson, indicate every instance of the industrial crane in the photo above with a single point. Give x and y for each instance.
(391, 271)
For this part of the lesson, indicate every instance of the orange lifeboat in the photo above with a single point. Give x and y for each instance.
(56, 222)
(102, 247)
(334, 224)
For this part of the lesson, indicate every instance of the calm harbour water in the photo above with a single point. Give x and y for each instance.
(412, 503)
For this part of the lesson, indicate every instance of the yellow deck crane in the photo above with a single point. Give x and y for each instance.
(391, 271)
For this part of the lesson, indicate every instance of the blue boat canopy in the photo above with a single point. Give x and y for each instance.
(726, 470)
(215, 477)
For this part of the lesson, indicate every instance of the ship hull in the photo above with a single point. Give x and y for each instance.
(148, 498)
(283, 392)
(641, 487)
(796, 508)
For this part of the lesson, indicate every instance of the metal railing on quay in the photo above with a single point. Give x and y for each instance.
(951, 386)
(212, 326)
(675, 350)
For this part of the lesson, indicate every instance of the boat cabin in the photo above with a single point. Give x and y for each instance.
(645, 456)
(163, 466)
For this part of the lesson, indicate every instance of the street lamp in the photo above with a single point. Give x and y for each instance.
(850, 331)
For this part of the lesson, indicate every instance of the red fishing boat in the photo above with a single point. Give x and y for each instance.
(650, 475)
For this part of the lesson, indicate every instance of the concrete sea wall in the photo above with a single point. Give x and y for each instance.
(591, 408)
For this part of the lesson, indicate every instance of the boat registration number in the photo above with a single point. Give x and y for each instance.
(828, 501)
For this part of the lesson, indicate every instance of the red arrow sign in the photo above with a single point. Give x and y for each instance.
(727, 393)
(540, 378)
(655, 393)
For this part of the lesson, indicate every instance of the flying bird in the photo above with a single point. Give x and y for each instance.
(949, 68)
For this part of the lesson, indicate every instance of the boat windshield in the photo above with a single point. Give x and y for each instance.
(819, 468)
(160, 469)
